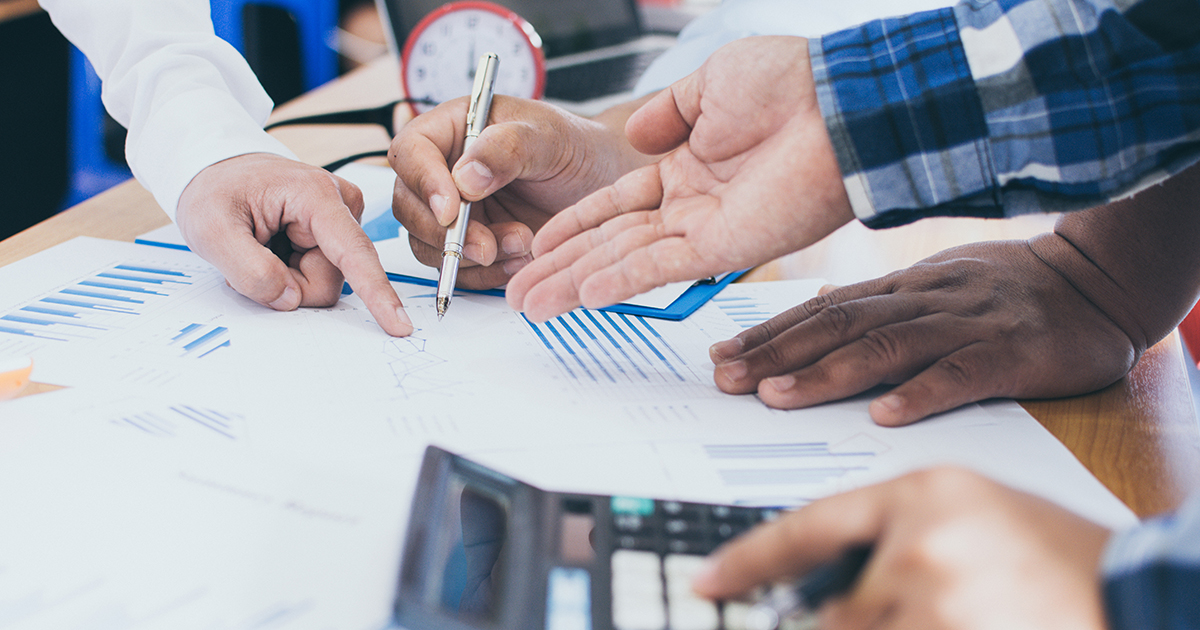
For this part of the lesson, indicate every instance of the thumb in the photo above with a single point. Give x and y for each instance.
(666, 120)
(251, 269)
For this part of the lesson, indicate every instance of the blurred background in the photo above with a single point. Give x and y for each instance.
(58, 145)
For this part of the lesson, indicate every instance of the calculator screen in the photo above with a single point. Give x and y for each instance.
(470, 552)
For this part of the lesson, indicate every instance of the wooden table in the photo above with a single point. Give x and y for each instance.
(1138, 436)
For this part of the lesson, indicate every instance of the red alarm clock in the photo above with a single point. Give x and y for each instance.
(441, 53)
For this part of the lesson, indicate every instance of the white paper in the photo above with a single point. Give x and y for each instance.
(272, 486)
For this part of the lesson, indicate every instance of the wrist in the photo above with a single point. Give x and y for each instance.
(1094, 284)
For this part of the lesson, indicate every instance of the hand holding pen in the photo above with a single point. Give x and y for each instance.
(477, 118)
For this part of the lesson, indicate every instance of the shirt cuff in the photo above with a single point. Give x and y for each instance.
(1152, 572)
(188, 133)
(905, 120)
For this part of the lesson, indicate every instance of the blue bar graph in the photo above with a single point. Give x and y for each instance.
(92, 305)
(105, 301)
(780, 464)
(129, 278)
(746, 312)
(118, 287)
(49, 311)
(602, 348)
(153, 270)
(180, 420)
(200, 340)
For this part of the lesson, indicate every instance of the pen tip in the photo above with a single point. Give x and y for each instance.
(442, 304)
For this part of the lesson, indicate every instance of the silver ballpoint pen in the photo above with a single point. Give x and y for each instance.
(477, 117)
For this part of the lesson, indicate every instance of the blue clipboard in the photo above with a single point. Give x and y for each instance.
(684, 305)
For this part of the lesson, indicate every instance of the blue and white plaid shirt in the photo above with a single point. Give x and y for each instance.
(1001, 108)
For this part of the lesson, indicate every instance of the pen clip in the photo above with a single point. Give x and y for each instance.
(481, 93)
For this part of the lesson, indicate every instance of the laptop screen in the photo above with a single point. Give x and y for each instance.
(566, 26)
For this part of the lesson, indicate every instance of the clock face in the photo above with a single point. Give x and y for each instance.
(442, 52)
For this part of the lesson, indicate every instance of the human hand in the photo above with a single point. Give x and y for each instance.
(952, 550)
(533, 160)
(973, 322)
(232, 210)
(755, 178)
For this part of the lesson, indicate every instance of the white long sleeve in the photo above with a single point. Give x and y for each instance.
(187, 97)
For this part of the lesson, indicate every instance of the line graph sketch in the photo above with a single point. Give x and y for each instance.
(415, 368)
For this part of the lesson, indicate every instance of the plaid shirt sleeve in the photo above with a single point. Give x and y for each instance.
(1006, 107)
(1152, 573)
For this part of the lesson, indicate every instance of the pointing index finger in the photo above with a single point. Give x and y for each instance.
(344, 243)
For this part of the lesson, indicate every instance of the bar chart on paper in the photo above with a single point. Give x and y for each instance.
(125, 315)
(771, 473)
(183, 421)
(111, 299)
(602, 352)
(746, 311)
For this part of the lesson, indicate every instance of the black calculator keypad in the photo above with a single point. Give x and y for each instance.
(660, 545)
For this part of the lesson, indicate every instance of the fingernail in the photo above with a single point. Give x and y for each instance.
(782, 383)
(404, 319)
(706, 577)
(724, 350)
(473, 178)
(734, 370)
(473, 252)
(891, 402)
(513, 244)
(437, 203)
(513, 265)
(287, 301)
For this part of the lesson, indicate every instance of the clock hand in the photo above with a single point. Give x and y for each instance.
(471, 60)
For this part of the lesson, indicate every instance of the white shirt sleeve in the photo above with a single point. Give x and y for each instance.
(186, 96)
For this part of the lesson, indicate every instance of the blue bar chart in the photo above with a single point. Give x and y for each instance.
(200, 340)
(598, 349)
(745, 311)
(183, 420)
(771, 464)
(90, 308)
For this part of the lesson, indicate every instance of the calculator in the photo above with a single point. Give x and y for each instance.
(485, 551)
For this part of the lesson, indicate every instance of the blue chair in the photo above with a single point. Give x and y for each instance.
(316, 21)
(93, 171)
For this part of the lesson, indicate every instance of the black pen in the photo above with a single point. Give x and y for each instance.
(806, 595)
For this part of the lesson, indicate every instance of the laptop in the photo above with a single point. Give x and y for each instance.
(595, 49)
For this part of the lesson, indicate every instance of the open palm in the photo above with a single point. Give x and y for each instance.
(752, 176)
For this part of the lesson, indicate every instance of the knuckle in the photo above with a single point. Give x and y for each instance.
(960, 372)
(253, 278)
(883, 345)
(835, 320)
(772, 355)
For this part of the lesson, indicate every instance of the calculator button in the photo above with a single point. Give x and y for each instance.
(693, 546)
(682, 528)
(679, 509)
(568, 599)
(721, 512)
(683, 567)
(641, 543)
(632, 505)
(629, 522)
(725, 531)
(638, 614)
(637, 591)
(733, 614)
(693, 613)
(685, 609)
